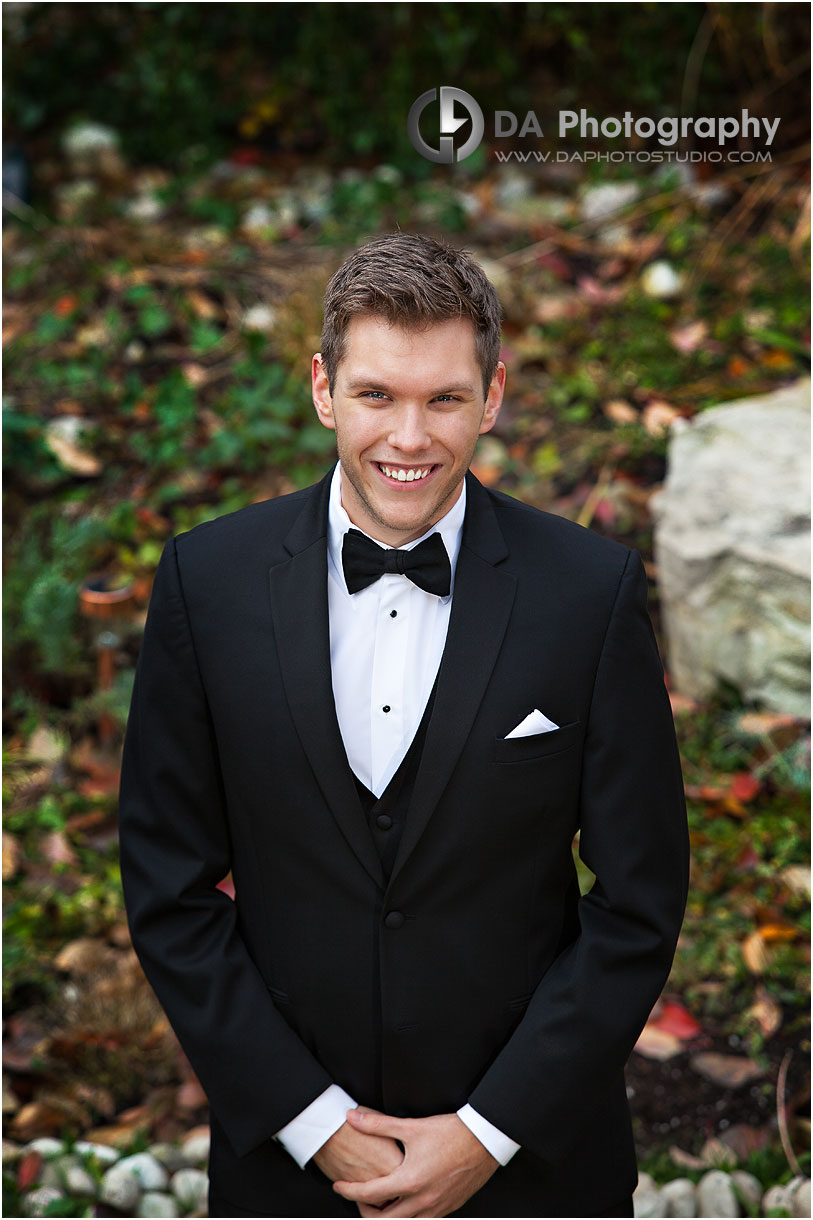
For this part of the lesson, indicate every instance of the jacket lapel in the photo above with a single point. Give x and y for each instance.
(299, 609)
(481, 607)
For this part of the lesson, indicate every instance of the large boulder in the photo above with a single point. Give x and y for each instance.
(732, 543)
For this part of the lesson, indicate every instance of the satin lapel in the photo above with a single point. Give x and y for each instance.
(300, 614)
(481, 608)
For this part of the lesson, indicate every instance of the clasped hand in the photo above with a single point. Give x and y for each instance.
(441, 1166)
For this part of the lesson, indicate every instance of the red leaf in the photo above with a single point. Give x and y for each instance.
(673, 1018)
(744, 786)
(28, 1171)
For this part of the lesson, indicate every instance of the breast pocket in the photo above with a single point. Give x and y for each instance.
(538, 745)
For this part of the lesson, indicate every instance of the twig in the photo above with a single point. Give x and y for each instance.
(781, 1115)
(597, 494)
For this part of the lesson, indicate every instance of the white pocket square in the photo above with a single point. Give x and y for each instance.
(534, 722)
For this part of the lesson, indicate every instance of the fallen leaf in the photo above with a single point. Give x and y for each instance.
(658, 417)
(57, 849)
(685, 1159)
(66, 448)
(718, 1155)
(778, 932)
(85, 956)
(11, 856)
(797, 878)
(765, 723)
(728, 1071)
(745, 1140)
(657, 1044)
(672, 1018)
(619, 411)
(29, 1170)
(766, 1011)
(686, 339)
(190, 1096)
(744, 786)
(755, 954)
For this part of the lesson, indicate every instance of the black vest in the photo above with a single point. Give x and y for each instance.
(386, 814)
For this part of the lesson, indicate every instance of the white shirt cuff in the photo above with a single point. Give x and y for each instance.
(304, 1135)
(500, 1146)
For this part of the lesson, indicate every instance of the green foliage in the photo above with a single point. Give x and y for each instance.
(48, 558)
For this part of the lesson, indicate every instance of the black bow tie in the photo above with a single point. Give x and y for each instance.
(427, 564)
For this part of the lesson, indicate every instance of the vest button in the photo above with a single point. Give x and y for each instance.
(394, 920)
(383, 821)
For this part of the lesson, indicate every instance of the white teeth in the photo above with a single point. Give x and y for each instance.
(406, 476)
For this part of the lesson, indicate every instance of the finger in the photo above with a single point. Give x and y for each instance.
(374, 1123)
(375, 1193)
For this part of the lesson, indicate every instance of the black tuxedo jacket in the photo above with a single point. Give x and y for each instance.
(476, 973)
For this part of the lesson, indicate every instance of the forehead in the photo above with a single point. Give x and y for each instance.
(441, 352)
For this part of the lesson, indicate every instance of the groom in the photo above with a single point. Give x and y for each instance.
(387, 703)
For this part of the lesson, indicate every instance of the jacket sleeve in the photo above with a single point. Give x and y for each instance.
(589, 1008)
(175, 848)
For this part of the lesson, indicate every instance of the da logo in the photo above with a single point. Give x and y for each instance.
(445, 153)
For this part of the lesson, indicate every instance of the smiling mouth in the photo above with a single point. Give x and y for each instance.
(405, 474)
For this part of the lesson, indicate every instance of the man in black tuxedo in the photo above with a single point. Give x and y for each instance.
(386, 704)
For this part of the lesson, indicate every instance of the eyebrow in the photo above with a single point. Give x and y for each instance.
(363, 383)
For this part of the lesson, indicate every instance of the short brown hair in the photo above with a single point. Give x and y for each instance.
(412, 281)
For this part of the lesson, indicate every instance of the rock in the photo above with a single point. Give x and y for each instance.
(46, 1146)
(797, 1197)
(79, 1182)
(774, 1200)
(121, 1189)
(85, 138)
(646, 1199)
(11, 1152)
(801, 1200)
(170, 1156)
(195, 1146)
(661, 281)
(679, 1198)
(259, 317)
(715, 1195)
(148, 1172)
(600, 201)
(35, 1203)
(748, 1190)
(102, 1153)
(155, 1204)
(732, 545)
(191, 1188)
(144, 207)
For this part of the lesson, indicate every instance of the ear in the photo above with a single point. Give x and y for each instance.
(322, 399)
(493, 399)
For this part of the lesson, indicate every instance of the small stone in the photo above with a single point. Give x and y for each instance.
(11, 1152)
(195, 1146)
(646, 1199)
(600, 201)
(148, 1172)
(170, 1156)
(144, 207)
(191, 1188)
(155, 1204)
(102, 1153)
(78, 1181)
(797, 1196)
(259, 317)
(661, 281)
(727, 1071)
(748, 1190)
(121, 1189)
(87, 137)
(715, 1195)
(258, 218)
(774, 1200)
(679, 1198)
(35, 1203)
(46, 1146)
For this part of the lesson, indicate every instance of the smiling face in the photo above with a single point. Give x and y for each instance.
(407, 408)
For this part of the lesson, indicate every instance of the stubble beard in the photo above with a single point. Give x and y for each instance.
(414, 528)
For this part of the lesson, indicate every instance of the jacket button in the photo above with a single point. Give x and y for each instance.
(394, 920)
(383, 821)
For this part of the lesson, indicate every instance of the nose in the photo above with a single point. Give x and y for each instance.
(410, 433)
